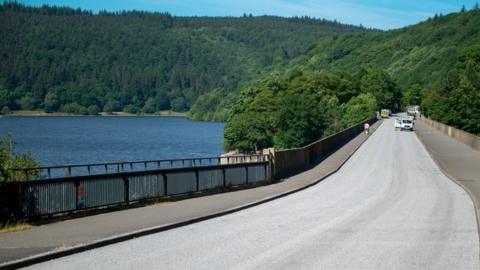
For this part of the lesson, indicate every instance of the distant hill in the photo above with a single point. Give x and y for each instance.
(71, 60)
(419, 54)
(345, 78)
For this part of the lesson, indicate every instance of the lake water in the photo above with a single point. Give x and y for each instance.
(78, 140)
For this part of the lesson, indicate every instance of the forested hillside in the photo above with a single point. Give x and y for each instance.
(344, 78)
(70, 60)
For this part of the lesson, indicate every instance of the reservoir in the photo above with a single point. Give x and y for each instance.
(55, 140)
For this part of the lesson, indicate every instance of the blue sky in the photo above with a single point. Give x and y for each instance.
(383, 14)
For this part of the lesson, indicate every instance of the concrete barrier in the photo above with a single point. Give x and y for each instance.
(458, 134)
(290, 161)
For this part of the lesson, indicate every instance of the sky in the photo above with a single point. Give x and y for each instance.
(381, 14)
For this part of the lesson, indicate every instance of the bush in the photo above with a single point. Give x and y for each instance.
(131, 109)
(93, 110)
(74, 108)
(9, 160)
(5, 110)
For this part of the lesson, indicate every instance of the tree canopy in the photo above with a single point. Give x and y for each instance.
(72, 60)
(293, 112)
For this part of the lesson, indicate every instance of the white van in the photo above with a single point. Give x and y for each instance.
(404, 123)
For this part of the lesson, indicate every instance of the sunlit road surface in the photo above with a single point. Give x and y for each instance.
(389, 207)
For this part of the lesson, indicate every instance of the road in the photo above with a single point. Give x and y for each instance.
(388, 207)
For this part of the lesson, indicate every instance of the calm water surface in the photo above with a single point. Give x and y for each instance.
(74, 140)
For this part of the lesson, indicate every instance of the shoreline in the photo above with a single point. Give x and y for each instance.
(103, 114)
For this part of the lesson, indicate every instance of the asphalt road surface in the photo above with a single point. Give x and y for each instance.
(389, 207)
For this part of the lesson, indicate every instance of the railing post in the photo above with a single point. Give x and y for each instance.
(224, 177)
(126, 185)
(197, 179)
(76, 184)
(165, 183)
(266, 172)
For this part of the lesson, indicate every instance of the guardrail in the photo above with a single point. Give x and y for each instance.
(287, 162)
(458, 134)
(48, 172)
(63, 195)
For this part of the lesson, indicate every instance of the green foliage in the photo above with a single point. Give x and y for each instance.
(51, 102)
(5, 110)
(74, 108)
(211, 106)
(381, 86)
(130, 108)
(249, 131)
(28, 102)
(412, 96)
(359, 108)
(93, 110)
(111, 106)
(409, 66)
(457, 101)
(166, 62)
(299, 121)
(293, 112)
(10, 160)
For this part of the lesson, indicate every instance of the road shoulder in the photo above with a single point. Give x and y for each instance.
(456, 160)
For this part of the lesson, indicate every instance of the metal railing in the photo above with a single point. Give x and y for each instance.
(63, 195)
(49, 172)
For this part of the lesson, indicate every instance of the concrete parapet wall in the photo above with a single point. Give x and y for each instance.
(458, 134)
(287, 162)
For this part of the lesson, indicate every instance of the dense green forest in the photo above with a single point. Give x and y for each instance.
(277, 81)
(435, 64)
(71, 60)
(292, 112)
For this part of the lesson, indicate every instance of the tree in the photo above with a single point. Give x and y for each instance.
(413, 95)
(6, 98)
(248, 132)
(111, 106)
(9, 160)
(359, 109)
(179, 104)
(51, 102)
(74, 108)
(298, 122)
(28, 102)
(382, 87)
(457, 101)
(93, 110)
(5, 110)
(130, 108)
